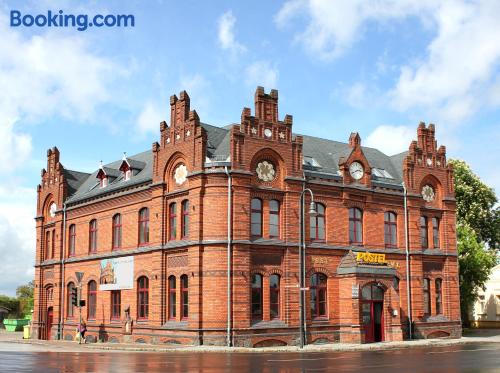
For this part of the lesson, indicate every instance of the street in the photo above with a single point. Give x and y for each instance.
(477, 357)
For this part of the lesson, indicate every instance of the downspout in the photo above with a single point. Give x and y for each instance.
(303, 264)
(229, 228)
(407, 247)
(63, 286)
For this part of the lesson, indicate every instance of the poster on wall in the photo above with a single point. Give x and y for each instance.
(117, 273)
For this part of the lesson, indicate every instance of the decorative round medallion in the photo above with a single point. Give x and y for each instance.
(356, 170)
(52, 209)
(180, 174)
(265, 171)
(428, 193)
(429, 161)
(268, 133)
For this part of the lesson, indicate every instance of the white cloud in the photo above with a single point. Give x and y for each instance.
(149, 119)
(391, 139)
(262, 73)
(226, 36)
(197, 87)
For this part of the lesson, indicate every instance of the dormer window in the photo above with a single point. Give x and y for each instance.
(106, 175)
(128, 173)
(130, 167)
(104, 182)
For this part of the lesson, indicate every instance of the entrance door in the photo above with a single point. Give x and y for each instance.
(50, 320)
(372, 312)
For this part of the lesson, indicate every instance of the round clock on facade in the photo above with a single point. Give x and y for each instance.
(180, 174)
(265, 171)
(356, 170)
(428, 193)
(268, 132)
(52, 209)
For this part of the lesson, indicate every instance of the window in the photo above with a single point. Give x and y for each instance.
(435, 232)
(185, 219)
(317, 229)
(47, 245)
(93, 236)
(318, 295)
(127, 174)
(91, 299)
(427, 298)
(116, 304)
(171, 297)
(184, 297)
(424, 242)
(355, 226)
(256, 218)
(274, 219)
(142, 298)
(172, 221)
(104, 182)
(390, 229)
(49, 293)
(439, 296)
(274, 296)
(143, 226)
(53, 248)
(117, 232)
(72, 240)
(70, 309)
(257, 296)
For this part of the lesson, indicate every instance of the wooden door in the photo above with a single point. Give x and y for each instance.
(50, 320)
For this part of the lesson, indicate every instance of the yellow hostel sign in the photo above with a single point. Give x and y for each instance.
(373, 258)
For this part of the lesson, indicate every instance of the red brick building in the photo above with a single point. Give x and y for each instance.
(160, 226)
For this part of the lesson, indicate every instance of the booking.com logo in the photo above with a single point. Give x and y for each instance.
(81, 21)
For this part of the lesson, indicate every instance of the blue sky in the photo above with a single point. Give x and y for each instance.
(376, 67)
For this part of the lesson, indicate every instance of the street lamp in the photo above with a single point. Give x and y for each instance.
(79, 276)
(302, 259)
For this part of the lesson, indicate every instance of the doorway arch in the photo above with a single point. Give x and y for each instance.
(372, 311)
(50, 321)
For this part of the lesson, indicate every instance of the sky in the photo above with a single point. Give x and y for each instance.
(378, 68)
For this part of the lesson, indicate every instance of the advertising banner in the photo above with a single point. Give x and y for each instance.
(117, 273)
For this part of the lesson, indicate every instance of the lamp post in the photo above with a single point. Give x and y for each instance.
(79, 276)
(302, 259)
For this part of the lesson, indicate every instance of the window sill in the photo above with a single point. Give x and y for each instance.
(260, 324)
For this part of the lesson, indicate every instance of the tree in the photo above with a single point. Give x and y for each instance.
(24, 294)
(475, 205)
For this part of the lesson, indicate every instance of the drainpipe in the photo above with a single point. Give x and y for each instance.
(407, 247)
(63, 287)
(229, 228)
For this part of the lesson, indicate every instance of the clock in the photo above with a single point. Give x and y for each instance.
(428, 193)
(180, 174)
(265, 171)
(52, 209)
(356, 170)
(268, 133)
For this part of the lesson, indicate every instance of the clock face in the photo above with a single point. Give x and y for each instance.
(265, 171)
(180, 174)
(356, 170)
(267, 133)
(428, 193)
(52, 209)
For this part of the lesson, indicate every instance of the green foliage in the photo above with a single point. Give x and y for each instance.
(25, 296)
(475, 205)
(475, 263)
(12, 304)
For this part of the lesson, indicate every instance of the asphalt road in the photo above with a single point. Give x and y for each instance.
(480, 357)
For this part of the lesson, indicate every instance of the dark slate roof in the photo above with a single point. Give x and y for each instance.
(90, 186)
(217, 141)
(111, 171)
(135, 165)
(74, 180)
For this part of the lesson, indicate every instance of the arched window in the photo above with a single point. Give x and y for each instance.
(256, 296)
(274, 219)
(142, 298)
(318, 295)
(143, 226)
(274, 296)
(93, 236)
(390, 229)
(49, 293)
(439, 296)
(185, 219)
(70, 309)
(256, 218)
(424, 241)
(47, 245)
(91, 299)
(427, 297)
(72, 240)
(435, 232)
(355, 226)
(318, 224)
(53, 244)
(171, 297)
(116, 300)
(184, 297)
(172, 221)
(117, 231)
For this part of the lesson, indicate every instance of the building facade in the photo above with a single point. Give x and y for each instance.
(198, 240)
(486, 310)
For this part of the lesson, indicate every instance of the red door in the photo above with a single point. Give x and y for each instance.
(372, 313)
(50, 320)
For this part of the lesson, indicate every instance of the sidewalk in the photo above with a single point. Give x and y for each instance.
(483, 336)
